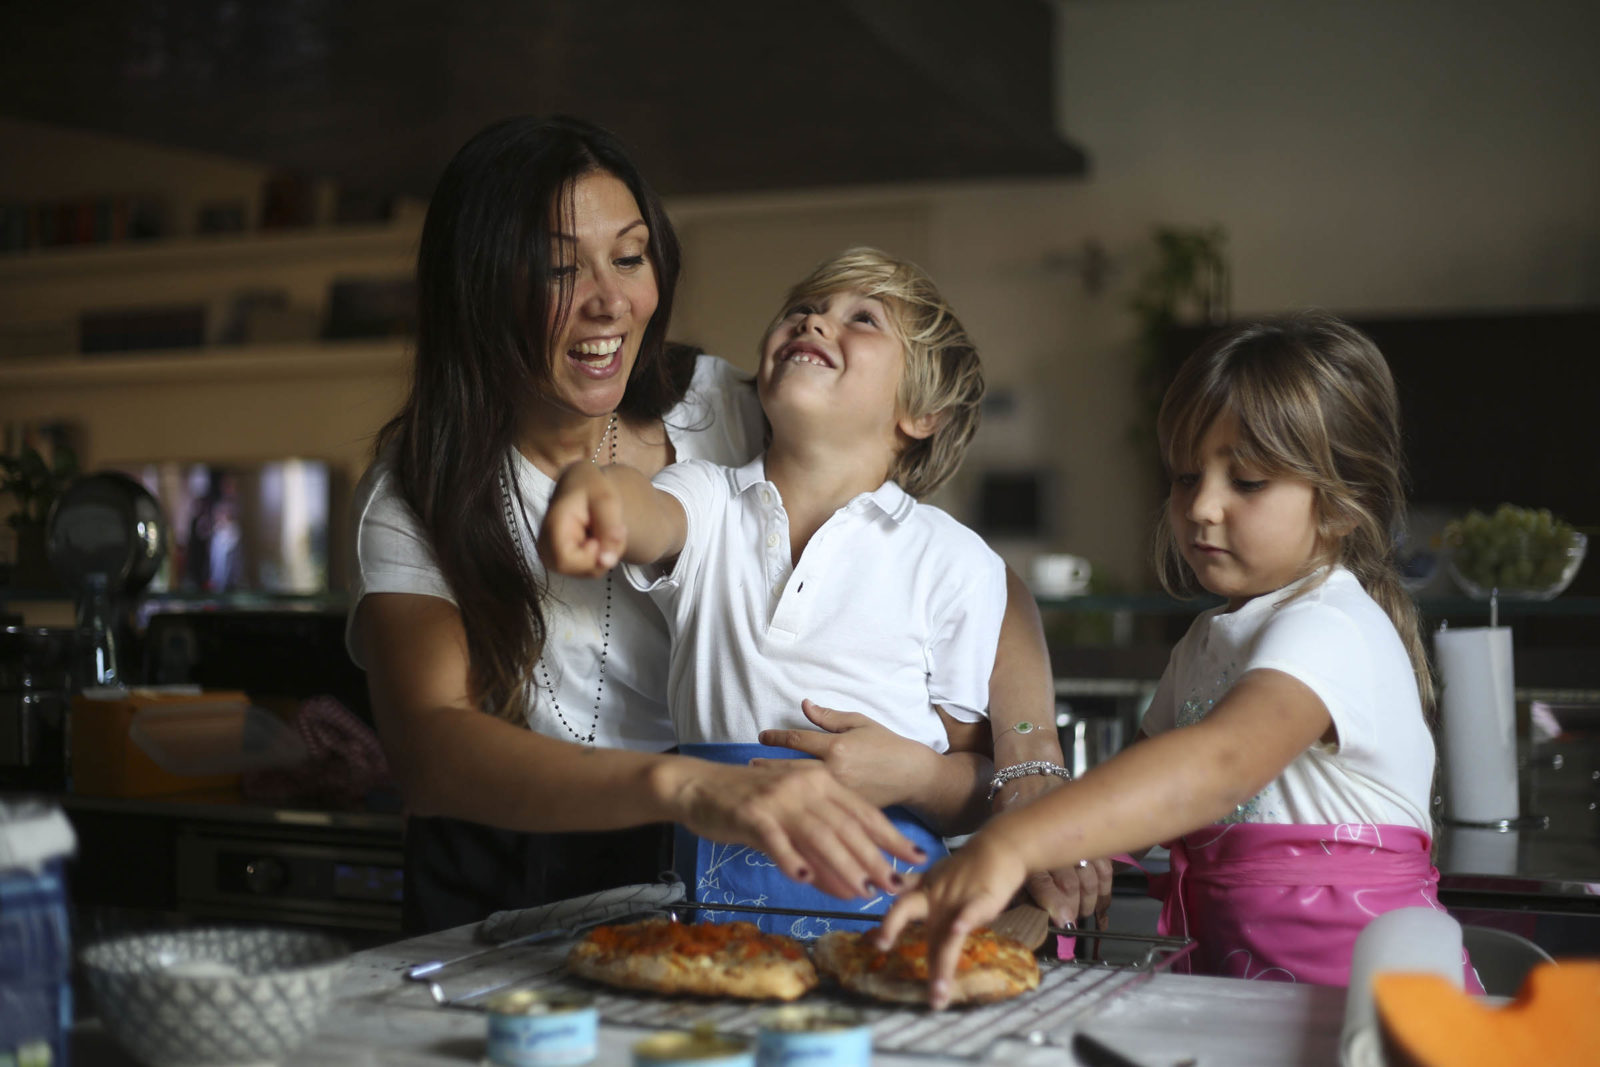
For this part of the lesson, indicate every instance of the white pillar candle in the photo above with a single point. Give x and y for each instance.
(1478, 723)
(1419, 940)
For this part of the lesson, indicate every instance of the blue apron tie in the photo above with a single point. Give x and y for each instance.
(717, 873)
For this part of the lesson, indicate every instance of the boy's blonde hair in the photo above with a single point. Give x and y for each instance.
(1314, 399)
(941, 374)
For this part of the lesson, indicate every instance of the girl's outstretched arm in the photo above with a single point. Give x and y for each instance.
(1158, 789)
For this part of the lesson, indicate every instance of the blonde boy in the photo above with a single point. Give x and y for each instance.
(813, 571)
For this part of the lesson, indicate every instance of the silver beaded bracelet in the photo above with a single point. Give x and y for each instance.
(1023, 770)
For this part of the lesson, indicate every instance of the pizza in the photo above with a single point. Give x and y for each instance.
(732, 959)
(992, 966)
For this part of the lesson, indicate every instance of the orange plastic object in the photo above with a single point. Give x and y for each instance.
(106, 762)
(1553, 1022)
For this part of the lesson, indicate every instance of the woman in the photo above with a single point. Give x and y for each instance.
(545, 277)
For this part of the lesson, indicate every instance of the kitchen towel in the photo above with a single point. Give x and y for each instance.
(588, 910)
(1418, 940)
(1477, 714)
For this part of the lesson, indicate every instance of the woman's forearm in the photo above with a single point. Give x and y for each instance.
(468, 765)
(951, 796)
(1022, 690)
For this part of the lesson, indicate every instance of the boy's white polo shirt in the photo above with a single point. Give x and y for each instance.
(894, 606)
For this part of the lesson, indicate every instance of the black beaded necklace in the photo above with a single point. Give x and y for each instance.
(545, 681)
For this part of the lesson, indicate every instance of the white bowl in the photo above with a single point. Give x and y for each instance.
(195, 998)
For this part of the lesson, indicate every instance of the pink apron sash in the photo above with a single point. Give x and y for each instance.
(1286, 903)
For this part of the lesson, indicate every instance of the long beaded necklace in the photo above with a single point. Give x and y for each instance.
(545, 681)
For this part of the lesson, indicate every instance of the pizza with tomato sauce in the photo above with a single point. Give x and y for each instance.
(992, 966)
(732, 959)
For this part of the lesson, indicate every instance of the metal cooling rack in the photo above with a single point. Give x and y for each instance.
(1068, 991)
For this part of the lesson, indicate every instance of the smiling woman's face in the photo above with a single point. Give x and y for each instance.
(602, 258)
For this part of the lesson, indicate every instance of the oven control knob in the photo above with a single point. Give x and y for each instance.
(265, 874)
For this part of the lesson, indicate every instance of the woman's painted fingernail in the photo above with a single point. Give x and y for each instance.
(896, 880)
(803, 874)
(921, 853)
(866, 887)
(1066, 924)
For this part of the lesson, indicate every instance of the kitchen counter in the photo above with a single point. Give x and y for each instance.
(381, 1020)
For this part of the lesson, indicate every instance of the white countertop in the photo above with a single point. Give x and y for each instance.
(381, 1019)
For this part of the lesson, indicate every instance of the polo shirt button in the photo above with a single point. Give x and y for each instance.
(766, 497)
(772, 540)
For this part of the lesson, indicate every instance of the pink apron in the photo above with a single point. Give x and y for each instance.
(1285, 903)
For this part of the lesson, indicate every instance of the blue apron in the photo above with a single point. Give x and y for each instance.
(717, 873)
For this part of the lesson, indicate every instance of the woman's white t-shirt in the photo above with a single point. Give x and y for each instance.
(719, 420)
(1337, 641)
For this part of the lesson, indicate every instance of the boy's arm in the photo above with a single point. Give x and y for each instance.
(945, 791)
(598, 515)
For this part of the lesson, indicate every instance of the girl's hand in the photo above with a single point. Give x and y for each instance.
(583, 533)
(955, 897)
(795, 811)
(865, 756)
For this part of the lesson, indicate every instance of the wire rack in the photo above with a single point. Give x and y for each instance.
(1068, 991)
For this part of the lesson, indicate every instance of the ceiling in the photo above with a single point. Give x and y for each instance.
(713, 96)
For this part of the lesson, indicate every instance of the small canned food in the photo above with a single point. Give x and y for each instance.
(534, 1028)
(702, 1048)
(819, 1036)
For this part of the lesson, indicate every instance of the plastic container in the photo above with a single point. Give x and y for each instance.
(129, 743)
(35, 936)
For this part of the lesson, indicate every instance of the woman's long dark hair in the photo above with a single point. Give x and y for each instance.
(484, 297)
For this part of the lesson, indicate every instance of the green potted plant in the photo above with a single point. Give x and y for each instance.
(32, 483)
(1187, 284)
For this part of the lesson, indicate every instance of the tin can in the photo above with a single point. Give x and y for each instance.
(702, 1048)
(535, 1028)
(816, 1036)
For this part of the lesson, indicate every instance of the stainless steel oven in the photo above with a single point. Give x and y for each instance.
(350, 881)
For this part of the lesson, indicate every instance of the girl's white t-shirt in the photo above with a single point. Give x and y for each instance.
(719, 420)
(1337, 641)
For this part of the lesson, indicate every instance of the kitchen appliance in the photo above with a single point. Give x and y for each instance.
(106, 539)
(36, 665)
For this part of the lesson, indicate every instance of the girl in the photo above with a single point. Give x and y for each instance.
(1294, 799)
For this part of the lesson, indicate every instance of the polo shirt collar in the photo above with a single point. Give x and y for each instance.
(889, 498)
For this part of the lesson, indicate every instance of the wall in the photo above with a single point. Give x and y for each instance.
(1363, 155)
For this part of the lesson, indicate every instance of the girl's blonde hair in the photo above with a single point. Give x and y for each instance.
(941, 374)
(1314, 399)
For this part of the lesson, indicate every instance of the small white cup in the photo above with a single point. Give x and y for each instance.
(1060, 574)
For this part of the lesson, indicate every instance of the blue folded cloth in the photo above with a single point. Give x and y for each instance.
(718, 873)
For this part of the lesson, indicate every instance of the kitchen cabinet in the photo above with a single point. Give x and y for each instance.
(300, 396)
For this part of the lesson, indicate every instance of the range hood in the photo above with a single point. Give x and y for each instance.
(713, 96)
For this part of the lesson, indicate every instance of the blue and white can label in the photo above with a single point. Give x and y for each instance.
(532, 1028)
(814, 1037)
